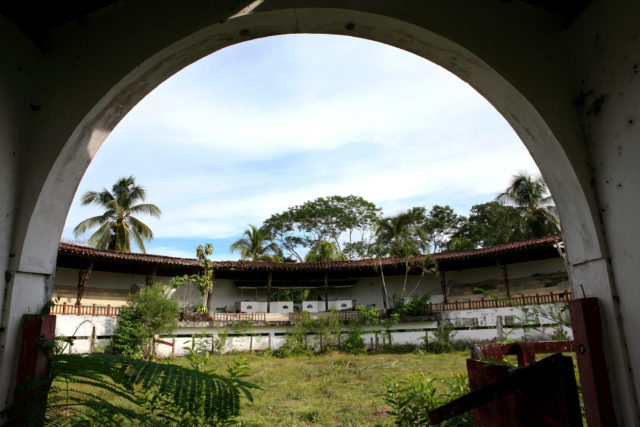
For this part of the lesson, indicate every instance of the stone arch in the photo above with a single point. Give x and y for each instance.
(87, 93)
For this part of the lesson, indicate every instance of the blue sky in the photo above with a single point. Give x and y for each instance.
(264, 125)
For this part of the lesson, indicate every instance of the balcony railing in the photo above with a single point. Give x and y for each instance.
(469, 304)
(474, 304)
(85, 310)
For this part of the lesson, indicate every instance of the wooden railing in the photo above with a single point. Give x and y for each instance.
(475, 304)
(238, 317)
(342, 315)
(85, 310)
(469, 304)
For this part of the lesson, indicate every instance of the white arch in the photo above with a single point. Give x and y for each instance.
(87, 91)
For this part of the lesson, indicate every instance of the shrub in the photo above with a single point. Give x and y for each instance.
(129, 336)
(413, 396)
(147, 314)
(199, 308)
(416, 306)
(354, 342)
(443, 333)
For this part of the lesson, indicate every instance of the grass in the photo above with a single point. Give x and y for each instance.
(334, 389)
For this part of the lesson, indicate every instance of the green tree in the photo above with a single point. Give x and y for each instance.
(347, 222)
(530, 196)
(117, 226)
(256, 245)
(459, 244)
(324, 251)
(440, 224)
(396, 236)
(491, 224)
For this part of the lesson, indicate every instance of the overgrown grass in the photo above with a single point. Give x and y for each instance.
(334, 389)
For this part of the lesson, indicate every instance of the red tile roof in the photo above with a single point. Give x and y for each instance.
(508, 249)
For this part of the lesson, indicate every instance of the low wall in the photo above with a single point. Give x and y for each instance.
(470, 325)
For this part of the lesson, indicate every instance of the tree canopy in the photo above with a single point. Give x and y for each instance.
(346, 222)
(117, 226)
(529, 195)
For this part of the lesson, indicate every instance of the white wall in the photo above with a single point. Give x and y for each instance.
(485, 322)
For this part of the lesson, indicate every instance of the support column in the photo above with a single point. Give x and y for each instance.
(443, 286)
(326, 291)
(505, 276)
(151, 277)
(269, 291)
(83, 279)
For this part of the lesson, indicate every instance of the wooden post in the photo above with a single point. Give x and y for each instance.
(269, 291)
(250, 343)
(93, 310)
(64, 307)
(83, 278)
(443, 286)
(108, 309)
(151, 277)
(173, 347)
(92, 347)
(326, 291)
(505, 276)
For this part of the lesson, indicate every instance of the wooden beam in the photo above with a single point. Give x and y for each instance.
(269, 280)
(151, 277)
(83, 278)
(505, 276)
(326, 291)
(443, 286)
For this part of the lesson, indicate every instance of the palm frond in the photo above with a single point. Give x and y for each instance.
(146, 208)
(90, 223)
(103, 237)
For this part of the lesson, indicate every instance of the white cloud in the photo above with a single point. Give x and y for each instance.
(262, 126)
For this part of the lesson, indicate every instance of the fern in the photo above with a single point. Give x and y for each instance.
(158, 393)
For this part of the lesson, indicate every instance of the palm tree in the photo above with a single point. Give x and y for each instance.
(117, 226)
(397, 235)
(324, 251)
(256, 246)
(529, 195)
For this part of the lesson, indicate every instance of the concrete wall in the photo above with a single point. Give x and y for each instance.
(471, 325)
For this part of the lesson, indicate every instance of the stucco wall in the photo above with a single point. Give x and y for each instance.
(531, 277)
(484, 329)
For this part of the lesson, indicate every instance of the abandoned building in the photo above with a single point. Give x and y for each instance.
(91, 285)
(565, 75)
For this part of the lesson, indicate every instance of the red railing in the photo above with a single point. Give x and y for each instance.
(475, 304)
(85, 310)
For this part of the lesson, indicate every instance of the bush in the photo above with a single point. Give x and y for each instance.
(417, 306)
(354, 342)
(443, 333)
(147, 314)
(413, 396)
(129, 336)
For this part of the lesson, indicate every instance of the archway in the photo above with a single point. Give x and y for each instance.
(94, 81)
